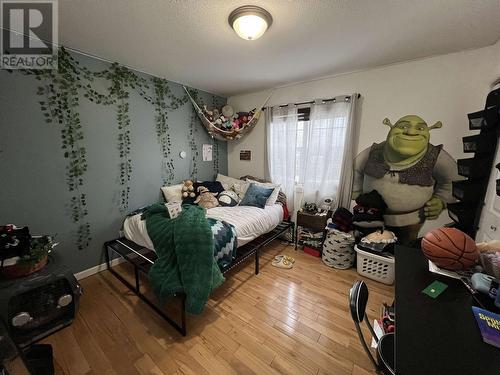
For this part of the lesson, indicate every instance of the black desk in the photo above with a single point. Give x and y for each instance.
(436, 336)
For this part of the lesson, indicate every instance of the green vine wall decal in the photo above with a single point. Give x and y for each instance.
(216, 103)
(215, 152)
(122, 80)
(193, 128)
(162, 93)
(60, 90)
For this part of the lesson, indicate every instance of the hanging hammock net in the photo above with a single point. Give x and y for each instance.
(225, 125)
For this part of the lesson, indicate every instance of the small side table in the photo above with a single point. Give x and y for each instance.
(312, 222)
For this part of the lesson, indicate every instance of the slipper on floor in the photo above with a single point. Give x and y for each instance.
(282, 263)
(288, 258)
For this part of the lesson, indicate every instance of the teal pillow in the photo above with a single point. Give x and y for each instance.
(256, 196)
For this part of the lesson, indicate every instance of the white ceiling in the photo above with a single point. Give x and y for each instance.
(190, 41)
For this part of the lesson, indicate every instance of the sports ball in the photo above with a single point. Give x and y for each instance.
(450, 248)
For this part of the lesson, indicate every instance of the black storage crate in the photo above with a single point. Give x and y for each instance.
(479, 144)
(469, 191)
(485, 119)
(474, 167)
(462, 213)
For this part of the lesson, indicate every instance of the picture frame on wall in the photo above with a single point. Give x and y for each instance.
(245, 155)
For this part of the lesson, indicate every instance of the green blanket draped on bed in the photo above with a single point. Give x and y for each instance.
(184, 246)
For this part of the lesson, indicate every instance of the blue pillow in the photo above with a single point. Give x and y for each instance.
(256, 196)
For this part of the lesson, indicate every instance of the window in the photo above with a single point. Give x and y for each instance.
(306, 148)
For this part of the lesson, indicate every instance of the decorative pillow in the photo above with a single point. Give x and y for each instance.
(240, 188)
(228, 198)
(230, 183)
(256, 196)
(276, 190)
(227, 181)
(281, 196)
(172, 193)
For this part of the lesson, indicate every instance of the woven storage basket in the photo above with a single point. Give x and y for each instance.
(338, 249)
(376, 267)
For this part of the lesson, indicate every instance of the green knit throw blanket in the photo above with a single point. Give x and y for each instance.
(186, 263)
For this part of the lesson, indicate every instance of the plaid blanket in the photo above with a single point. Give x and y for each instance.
(225, 242)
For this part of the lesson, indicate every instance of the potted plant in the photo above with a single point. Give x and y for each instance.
(27, 259)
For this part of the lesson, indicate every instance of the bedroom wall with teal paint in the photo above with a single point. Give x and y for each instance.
(33, 189)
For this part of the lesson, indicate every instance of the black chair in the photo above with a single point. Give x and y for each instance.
(358, 298)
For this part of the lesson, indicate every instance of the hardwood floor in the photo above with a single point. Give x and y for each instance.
(278, 322)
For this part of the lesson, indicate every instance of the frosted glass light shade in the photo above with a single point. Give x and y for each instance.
(250, 22)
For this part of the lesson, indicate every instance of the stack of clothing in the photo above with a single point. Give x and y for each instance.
(369, 210)
(310, 238)
(341, 220)
(380, 242)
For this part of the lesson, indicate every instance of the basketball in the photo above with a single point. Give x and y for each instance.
(450, 248)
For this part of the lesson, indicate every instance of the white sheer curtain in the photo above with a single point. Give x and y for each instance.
(324, 137)
(281, 130)
(314, 154)
(347, 171)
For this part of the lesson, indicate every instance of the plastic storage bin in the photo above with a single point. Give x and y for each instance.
(375, 267)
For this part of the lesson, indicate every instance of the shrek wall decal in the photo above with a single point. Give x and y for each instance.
(412, 175)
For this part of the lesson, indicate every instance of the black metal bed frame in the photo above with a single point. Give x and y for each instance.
(142, 260)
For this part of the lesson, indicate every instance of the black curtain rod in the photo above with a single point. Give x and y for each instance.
(309, 102)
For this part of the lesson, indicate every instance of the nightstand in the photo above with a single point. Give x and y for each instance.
(316, 223)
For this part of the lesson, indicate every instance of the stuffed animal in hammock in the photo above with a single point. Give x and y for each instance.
(206, 199)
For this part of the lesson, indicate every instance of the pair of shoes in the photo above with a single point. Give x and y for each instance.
(283, 261)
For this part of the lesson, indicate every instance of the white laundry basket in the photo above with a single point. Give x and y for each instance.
(376, 267)
(338, 249)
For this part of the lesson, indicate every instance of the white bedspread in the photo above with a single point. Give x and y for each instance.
(135, 230)
(249, 222)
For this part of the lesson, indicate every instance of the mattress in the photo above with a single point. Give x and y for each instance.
(249, 222)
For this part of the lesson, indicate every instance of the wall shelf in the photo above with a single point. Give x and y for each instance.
(476, 167)
(471, 192)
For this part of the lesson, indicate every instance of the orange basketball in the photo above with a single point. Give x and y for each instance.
(450, 248)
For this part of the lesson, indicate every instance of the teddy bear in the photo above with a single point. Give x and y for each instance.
(188, 189)
(205, 198)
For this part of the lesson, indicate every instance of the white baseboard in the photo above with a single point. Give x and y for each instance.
(96, 269)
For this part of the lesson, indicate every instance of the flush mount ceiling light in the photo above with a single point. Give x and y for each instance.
(250, 22)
